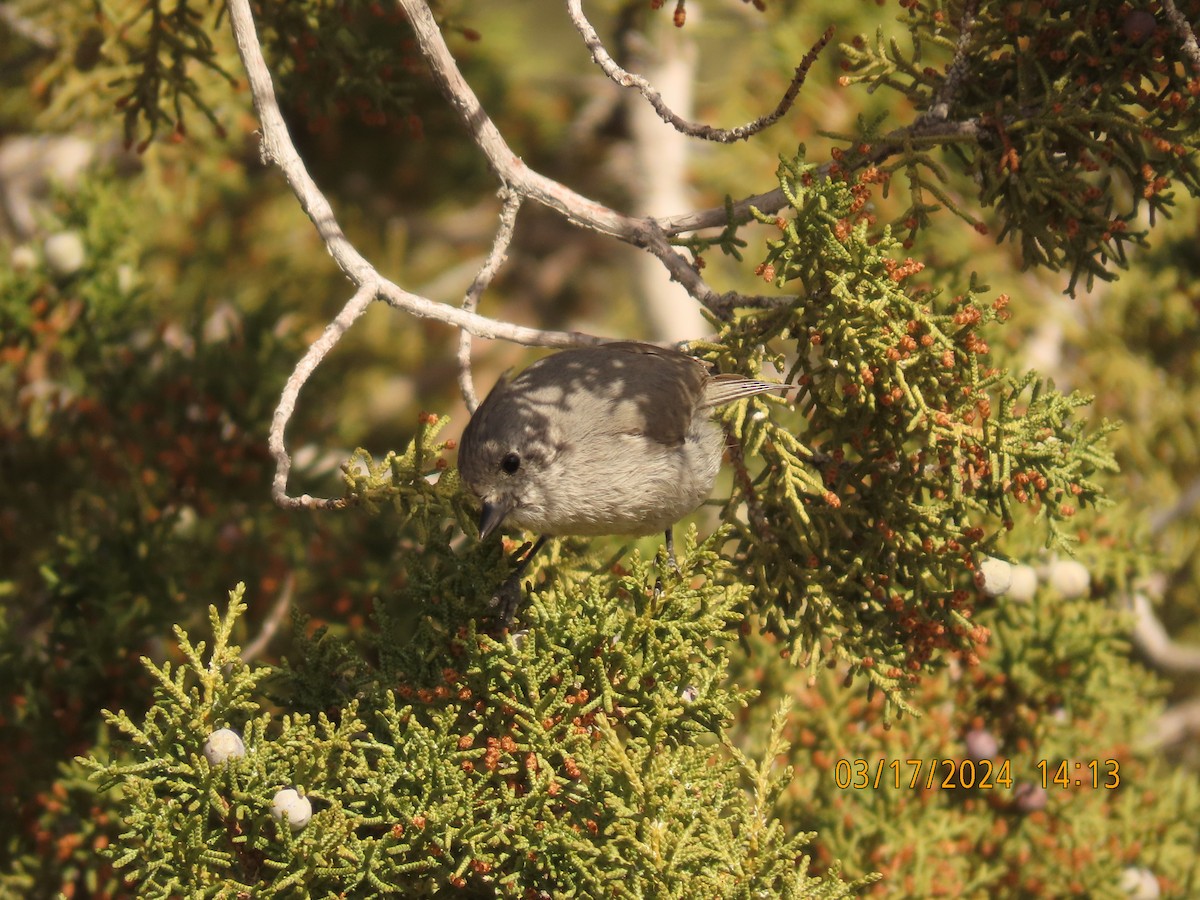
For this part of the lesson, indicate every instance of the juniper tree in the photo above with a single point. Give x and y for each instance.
(894, 657)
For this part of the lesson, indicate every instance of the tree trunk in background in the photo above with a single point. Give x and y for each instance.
(668, 61)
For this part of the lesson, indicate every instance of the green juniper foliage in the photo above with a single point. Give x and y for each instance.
(1073, 119)
(645, 733)
(551, 762)
(161, 63)
(1055, 684)
(584, 757)
(597, 735)
(908, 454)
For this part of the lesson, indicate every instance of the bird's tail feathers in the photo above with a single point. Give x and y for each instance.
(724, 389)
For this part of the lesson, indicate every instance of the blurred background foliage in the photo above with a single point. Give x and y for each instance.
(141, 357)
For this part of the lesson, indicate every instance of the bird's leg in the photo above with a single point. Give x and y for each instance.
(507, 598)
(670, 535)
(671, 551)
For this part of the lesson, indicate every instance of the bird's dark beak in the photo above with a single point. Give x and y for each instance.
(490, 518)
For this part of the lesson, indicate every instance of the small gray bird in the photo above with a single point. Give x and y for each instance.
(612, 439)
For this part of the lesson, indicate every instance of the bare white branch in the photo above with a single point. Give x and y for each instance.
(495, 259)
(312, 358)
(277, 147)
(509, 168)
(1153, 640)
(1177, 724)
(620, 76)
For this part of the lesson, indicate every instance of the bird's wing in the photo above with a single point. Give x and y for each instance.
(653, 391)
(647, 390)
(665, 391)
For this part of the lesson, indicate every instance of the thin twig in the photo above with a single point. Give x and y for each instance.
(624, 78)
(271, 625)
(495, 259)
(1183, 30)
(931, 127)
(720, 216)
(925, 130)
(316, 352)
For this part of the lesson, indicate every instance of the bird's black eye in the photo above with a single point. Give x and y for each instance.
(510, 463)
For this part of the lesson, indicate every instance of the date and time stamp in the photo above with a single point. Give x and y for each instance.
(986, 774)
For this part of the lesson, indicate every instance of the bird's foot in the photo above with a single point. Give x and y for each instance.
(507, 600)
